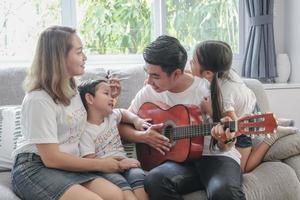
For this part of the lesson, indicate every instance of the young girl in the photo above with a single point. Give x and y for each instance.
(47, 162)
(102, 138)
(229, 96)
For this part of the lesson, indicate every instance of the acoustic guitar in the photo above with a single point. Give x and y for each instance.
(184, 127)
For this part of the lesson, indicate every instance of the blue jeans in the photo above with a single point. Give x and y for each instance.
(129, 180)
(220, 176)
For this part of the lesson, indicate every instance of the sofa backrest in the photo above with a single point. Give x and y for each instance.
(132, 79)
(11, 90)
(261, 96)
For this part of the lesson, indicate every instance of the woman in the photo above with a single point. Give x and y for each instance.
(47, 163)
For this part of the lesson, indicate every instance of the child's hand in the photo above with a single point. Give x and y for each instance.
(206, 106)
(142, 124)
(128, 163)
(115, 86)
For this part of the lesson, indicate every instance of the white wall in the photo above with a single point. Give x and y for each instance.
(291, 36)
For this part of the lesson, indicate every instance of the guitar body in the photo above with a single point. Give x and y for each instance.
(183, 149)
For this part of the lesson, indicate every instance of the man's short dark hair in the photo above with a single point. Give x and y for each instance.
(167, 52)
(88, 87)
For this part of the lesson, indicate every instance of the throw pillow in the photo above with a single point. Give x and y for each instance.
(10, 131)
(286, 146)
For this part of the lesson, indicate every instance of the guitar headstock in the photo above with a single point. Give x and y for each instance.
(256, 124)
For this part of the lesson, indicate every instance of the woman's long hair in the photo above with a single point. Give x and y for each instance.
(215, 56)
(48, 70)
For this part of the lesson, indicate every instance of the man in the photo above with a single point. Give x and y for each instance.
(218, 170)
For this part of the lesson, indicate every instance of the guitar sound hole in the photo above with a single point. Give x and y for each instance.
(168, 132)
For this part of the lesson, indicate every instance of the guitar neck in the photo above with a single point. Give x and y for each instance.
(182, 132)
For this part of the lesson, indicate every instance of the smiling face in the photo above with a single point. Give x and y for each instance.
(102, 101)
(159, 80)
(75, 59)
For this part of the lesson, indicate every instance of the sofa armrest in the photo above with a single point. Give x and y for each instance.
(285, 122)
(286, 146)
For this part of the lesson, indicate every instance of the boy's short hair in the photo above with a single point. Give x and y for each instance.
(167, 52)
(88, 87)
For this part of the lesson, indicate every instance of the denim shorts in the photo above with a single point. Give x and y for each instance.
(129, 180)
(32, 180)
(243, 141)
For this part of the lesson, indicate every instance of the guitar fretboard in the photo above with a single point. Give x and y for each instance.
(181, 132)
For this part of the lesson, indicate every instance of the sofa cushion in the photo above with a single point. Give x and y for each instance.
(272, 180)
(294, 162)
(284, 147)
(11, 90)
(10, 130)
(5, 187)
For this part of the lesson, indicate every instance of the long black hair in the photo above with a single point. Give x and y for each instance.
(215, 56)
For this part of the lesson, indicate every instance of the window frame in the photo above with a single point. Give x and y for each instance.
(68, 14)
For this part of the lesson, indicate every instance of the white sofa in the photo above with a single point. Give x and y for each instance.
(276, 179)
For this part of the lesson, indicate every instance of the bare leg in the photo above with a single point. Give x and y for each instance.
(128, 194)
(141, 194)
(258, 153)
(78, 192)
(245, 154)
(105, 189)
(256, 156)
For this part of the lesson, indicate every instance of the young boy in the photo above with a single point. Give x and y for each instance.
(101, 138)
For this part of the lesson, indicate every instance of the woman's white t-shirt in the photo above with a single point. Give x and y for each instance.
(194, 96)
(43, 121)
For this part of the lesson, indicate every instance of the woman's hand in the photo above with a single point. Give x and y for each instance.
(153, 138)
(111, 164)
(128, 163)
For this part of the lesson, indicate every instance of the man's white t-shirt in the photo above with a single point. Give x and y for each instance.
(104, 139)
(43, 121)
(237, 97)
(193, 96)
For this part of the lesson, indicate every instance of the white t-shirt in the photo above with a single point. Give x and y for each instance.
(104, 139)
(192, 95)
(237, 97)
(44, 121)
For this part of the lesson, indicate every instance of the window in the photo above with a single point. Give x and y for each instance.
(114, 27)
(118, 30)
(194, 21)
(21, 21)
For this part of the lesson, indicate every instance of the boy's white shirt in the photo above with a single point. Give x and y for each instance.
(194, 96)
(43, 121)
(103, 139)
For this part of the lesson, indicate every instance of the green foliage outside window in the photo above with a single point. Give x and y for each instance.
(116, 26)
(125, 27)
(192, 21)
